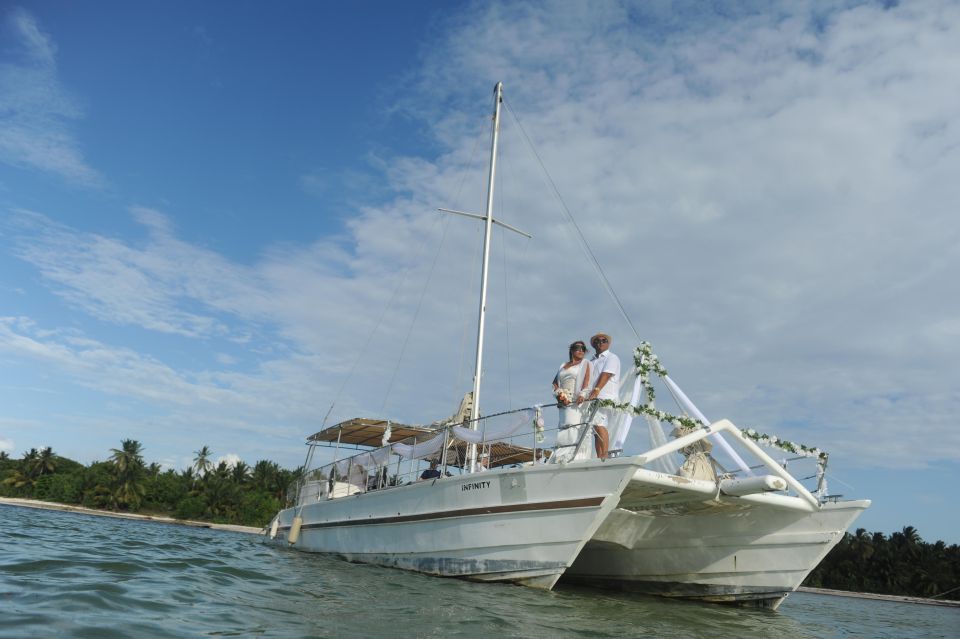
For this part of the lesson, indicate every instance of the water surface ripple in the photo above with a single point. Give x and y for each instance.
(72, 575)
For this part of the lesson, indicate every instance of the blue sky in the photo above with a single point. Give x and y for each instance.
(204, 212)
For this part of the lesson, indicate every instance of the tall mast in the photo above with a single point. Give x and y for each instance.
(488, 228)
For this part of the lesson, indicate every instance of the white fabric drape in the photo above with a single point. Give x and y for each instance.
(626, 419)
(688, 406)
(422, 450)
(519, 421)
(632, 391)
(667, 464)
(374, 458)
(371, 459)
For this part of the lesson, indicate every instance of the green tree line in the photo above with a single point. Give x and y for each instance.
(899, 564)
(219, 493)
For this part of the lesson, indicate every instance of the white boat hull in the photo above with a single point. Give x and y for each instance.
(721, 550)
(523, 525)
(608, 524)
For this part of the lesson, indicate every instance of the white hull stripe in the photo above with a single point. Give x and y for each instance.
(464, 512)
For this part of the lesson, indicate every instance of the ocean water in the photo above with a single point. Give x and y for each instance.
(71, 575)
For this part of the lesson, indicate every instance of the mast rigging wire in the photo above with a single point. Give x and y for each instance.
(426, 284)
(403, 279)
(583, 242)
(363, 350)
(475, 257)
(416, 314)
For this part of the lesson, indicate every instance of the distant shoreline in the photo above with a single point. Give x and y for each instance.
(871, 595)
(50, 505)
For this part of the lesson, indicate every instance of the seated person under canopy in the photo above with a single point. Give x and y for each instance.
(431, 473)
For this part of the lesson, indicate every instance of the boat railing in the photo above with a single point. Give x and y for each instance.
(507, 439)
(510, 439)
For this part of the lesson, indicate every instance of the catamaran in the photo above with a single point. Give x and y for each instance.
(703, 512)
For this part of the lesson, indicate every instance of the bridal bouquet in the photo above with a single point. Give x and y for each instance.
(562, 396)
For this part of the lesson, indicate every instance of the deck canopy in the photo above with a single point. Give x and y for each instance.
(362, 432)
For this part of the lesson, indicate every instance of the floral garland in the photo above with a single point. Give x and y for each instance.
(646, 409)
(646, 361)
(783, 444)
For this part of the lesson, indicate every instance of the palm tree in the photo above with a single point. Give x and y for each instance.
(46, 462)
(129, 457)
(221, 492)
(128, 468)
(19, 480)
(901, 564)
(240, 473)
(282, 482)
(128, 494)
(4, 455)
(222, 471)
(263, 474)
(862, 545)
(911, 536)
(29, 463)
(202, 463)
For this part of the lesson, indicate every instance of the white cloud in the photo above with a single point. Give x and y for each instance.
(6, 445)
(35, 109)
(784, 190)
(122, 284)
(228, 399)
(771, 196)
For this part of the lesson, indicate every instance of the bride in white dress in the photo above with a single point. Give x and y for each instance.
(571, 379)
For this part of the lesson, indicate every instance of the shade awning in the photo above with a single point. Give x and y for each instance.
(364, 432)
(361, 431)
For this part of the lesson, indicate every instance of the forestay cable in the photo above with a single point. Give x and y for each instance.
(583, 242)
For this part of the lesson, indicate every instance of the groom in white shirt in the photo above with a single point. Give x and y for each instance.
(604, 384)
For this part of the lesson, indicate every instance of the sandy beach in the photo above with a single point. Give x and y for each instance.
(48, 505)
